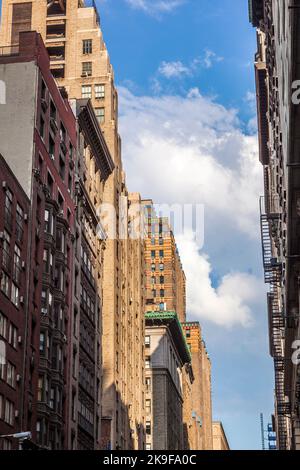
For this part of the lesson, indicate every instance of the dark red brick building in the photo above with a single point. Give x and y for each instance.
(14, 274)
(38, 139)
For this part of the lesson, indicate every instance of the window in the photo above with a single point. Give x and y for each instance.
(152, 241)
(100, 115)
(87, 46)
(87, 69)
(6, 250)
(40, 388)
(154, 293)
(15, 295)
(147, 341)
(9, 413)
(153, 267)
(42, 343)
(162, 279)
(48, 222)
(11, 375)
(5, 284)
(51, 147)
(162, 292)
(42, 127)
(153, 280)
(99, 92)
(148, 446)
(148, 406)
(161, 267)
(152, 253)
(161, 241)
(86, 91)
(148, 384)
(161, 253)
(1, 406)
(2, 371)
(8, 208)
(3, 326)
(19, 223)
(17, 265)
(148, 427)
(13, 336)
(147, 362)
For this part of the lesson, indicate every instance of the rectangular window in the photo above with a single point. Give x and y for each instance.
(11, 375)
(161, 253)
(6, 250)
(99, 92)
(87, 68)
(153, 267)
(86, 91)
(19, 223)
(87, 46)
(152, 253)
(13, 336)
(1, 406)
(9, 413)
(162, 279)
(147, 341)
(15, 294)
(42, 343)
(5, 283)
(148, 406)
(8, 209)
(161, 267)
(148, 427)
(17, 265)
(162, 292)
(3, 326)
(100, 115)
(147, 362)
(148, 384)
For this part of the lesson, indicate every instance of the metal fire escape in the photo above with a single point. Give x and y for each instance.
(273, 276)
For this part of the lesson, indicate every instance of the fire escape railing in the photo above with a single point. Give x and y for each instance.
(273, 276)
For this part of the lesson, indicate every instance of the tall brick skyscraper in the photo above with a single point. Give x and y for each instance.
(79, 61)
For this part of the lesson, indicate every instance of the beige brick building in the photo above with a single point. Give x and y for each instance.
(80, 63)
(219, 437)
(165, 278)
(201, 387)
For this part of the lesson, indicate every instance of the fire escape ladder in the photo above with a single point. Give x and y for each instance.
(273, 275)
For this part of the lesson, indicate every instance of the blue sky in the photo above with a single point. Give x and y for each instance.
(184, 70)
(159, 57)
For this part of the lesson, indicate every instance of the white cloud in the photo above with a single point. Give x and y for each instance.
(155, 6)
(173, 69)
(191, 150)
(177, 69)
(210, 57)
(226, 305)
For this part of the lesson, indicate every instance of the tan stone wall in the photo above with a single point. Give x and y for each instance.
(219, 437)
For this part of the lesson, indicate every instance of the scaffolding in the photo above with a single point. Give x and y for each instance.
(273, 276)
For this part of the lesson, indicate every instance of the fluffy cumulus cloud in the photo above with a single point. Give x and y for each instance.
(191, 150)
(173, 69)
(155, 6)
(226, 305)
